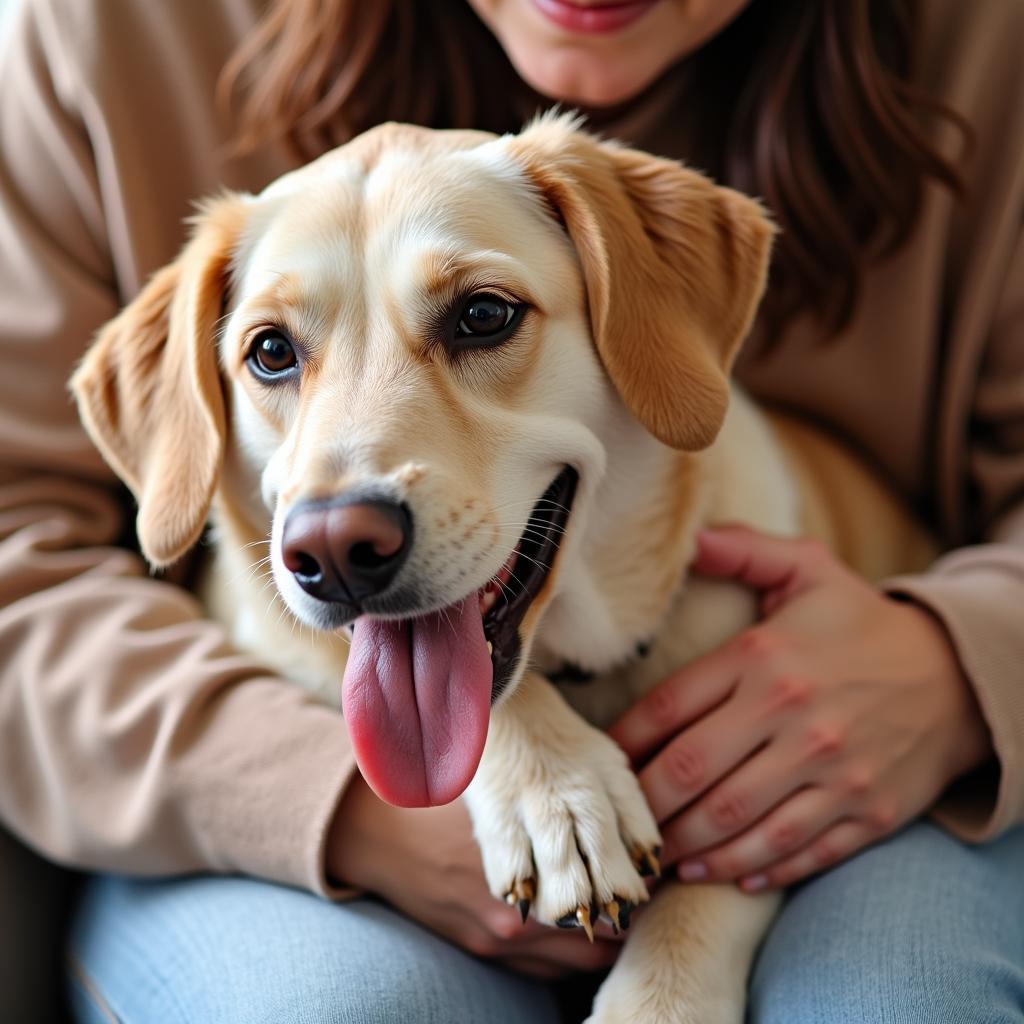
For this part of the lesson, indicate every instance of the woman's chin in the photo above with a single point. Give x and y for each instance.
(581, 82)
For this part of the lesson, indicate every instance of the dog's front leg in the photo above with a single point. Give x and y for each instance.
(560, 818)
(687, 959)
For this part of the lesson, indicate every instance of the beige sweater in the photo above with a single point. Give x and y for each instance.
(132, 737)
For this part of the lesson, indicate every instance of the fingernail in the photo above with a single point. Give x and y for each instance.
(755, 883)
(693, 871)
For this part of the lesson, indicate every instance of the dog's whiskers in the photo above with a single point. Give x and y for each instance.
(447, 619)
(255, 543)
(540, 527)
(542, 565)
(248, 570)
(506, 590)
(541, 503)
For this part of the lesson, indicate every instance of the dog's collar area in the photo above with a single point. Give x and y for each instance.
(536, 552)
(570, 672)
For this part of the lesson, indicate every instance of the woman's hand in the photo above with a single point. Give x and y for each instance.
(828, 725)
(426, 864)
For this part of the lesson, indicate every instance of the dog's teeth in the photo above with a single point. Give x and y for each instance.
(490, 647)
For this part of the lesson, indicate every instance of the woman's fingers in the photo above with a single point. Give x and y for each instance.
(781, 568)
(556, 951)
(735, 806)
(532, 966)
(699, 757)
(500, 933)
(671, 706)
(761, 560)
(781, 833)
(570, 956)
(834, 845)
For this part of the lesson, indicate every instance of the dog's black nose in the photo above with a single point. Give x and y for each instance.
(346, 551)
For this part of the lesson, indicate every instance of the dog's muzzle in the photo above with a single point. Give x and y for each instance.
(347, 549)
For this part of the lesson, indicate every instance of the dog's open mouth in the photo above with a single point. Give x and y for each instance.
(506, 599)
(417, 693)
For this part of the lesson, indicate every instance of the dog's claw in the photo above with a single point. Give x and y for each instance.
(626, 907)
(651, 859)
(646, 861)
(584, 917)
(521, 896)
(611, 908)
(618, 910)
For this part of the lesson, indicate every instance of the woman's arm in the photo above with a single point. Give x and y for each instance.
(978, 592)
(132, 737)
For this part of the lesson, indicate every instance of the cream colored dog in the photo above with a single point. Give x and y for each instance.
(475, 391)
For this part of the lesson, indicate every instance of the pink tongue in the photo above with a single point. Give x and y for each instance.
(417, 697)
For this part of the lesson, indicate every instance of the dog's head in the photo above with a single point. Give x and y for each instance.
(407, 363)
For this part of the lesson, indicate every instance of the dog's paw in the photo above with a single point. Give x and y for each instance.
(562, 824)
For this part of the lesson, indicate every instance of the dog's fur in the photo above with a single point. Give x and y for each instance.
(642, 279)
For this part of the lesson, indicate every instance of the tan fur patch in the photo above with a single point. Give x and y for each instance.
(660, 246)
(149, 390)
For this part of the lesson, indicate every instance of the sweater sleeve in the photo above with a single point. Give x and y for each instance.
(132, 737)
(978, 592)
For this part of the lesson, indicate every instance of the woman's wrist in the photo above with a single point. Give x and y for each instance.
(354, 837)
(969, 739)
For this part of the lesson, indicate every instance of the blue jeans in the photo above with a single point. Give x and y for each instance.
(918, 930)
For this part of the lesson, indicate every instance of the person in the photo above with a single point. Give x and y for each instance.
(242, 871)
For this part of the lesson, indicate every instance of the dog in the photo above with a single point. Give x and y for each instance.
(475, 391)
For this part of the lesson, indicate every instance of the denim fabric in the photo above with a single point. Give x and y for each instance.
(919, 930)
(236, 951)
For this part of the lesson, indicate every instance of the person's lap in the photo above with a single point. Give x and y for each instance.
(921, 929)
(236, 951)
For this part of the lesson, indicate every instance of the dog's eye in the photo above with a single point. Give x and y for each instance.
(272, 354)
(487, 320)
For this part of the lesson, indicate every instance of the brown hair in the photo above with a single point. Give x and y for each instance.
(813, 106)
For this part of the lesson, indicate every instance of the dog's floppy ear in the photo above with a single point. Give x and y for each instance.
(674, 267)
(149, 391)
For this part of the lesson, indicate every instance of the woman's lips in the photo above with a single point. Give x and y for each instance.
(593, 18)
